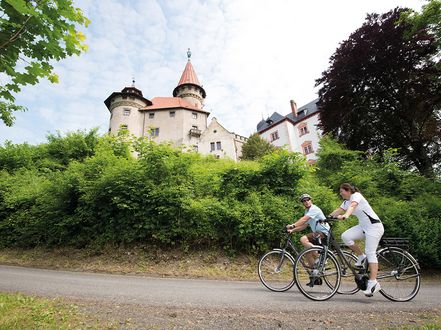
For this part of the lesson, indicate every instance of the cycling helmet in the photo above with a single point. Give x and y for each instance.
(304, 196)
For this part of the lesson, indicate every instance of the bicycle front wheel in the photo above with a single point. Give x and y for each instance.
(276, 270)
(398, 274)
(317, 280)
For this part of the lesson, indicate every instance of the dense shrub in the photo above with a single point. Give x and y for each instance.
(83, 189)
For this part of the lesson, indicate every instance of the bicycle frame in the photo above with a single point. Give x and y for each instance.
(360, 274)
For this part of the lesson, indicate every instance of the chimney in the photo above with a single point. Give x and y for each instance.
(293, 108)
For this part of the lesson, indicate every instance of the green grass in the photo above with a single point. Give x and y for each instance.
(18, 311)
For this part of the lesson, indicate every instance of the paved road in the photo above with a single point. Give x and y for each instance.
(186, 293)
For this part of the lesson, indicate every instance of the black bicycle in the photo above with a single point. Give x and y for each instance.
(398, 270)
(276, 267)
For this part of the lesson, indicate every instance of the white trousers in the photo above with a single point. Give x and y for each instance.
(372, 234)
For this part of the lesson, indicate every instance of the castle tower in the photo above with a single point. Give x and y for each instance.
(189, 87)
(124, 110)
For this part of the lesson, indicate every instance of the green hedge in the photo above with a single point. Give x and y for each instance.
(57, 194)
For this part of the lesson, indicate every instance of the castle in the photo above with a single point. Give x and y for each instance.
(180, 120)
(299, 131)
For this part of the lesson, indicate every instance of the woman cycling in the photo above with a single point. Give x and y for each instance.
(369, 227)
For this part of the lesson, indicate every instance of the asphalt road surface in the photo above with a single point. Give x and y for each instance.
(190, 293)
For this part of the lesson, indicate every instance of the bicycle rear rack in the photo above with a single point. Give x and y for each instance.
(399, 242)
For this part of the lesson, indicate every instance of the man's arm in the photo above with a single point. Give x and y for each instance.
(299, 224)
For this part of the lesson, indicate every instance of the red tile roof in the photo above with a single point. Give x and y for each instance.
(189, 76)
(170, 102)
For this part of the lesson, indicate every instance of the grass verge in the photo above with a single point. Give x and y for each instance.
(18, 311)
(138, 260)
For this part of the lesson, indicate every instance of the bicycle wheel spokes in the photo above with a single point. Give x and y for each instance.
(347, 283)
(276, 271)
(317, 281)
(398, 275)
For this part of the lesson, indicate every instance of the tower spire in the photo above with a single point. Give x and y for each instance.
(189, 87)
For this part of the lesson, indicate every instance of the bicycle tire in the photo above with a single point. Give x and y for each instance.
(347, 283)
(398, 274)
(276, 270)
(324, 277)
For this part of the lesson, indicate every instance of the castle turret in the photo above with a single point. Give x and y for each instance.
(123, 107)
(189, 87)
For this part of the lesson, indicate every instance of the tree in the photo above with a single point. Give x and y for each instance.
(32, 35)
(383, 90)
(256, 148)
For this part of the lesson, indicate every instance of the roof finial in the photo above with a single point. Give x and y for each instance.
(133, 81)
(188, 54)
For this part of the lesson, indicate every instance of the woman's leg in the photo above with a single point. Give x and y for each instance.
(353, 234)
(373, 237)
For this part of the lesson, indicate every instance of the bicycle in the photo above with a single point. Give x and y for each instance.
(398, 271)
(276, 267)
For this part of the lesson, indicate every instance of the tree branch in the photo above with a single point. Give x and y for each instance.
(17, 34)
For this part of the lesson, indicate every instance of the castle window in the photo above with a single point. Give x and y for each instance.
(194, 115)
(307, 148)
(124, 127)
(212, 146)
(154, 131)
(303, 129)
(151, 115)
(218, 145)
(172, 113)
(126, 112)
(274, 136)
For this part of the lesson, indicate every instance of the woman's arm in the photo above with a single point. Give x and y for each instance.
(337, 212)
(349, 211)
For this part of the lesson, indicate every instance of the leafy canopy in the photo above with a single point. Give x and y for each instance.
(256, 147)
(32, 35)
(383, 90)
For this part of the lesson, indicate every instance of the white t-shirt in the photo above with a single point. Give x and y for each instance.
(315, 214)
(363, 210)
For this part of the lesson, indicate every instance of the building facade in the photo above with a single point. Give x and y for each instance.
(297, 132)
(180, 120)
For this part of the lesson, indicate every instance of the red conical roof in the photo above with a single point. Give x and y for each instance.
(189, 76)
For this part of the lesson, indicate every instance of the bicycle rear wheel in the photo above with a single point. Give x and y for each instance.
(276, 270)
(321, 280)
(347, 283)
(398, 274)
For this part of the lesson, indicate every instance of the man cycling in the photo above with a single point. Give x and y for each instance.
(313, 214)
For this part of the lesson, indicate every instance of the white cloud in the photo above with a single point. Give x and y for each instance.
(252, 56)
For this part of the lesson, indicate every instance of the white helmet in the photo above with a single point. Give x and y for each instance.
(304, 196)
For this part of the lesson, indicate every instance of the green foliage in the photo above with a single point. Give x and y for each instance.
(408, 203)
(256, 147)
(85, 190)
(32, 35)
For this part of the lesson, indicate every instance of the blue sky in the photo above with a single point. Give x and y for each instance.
(252, 57)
